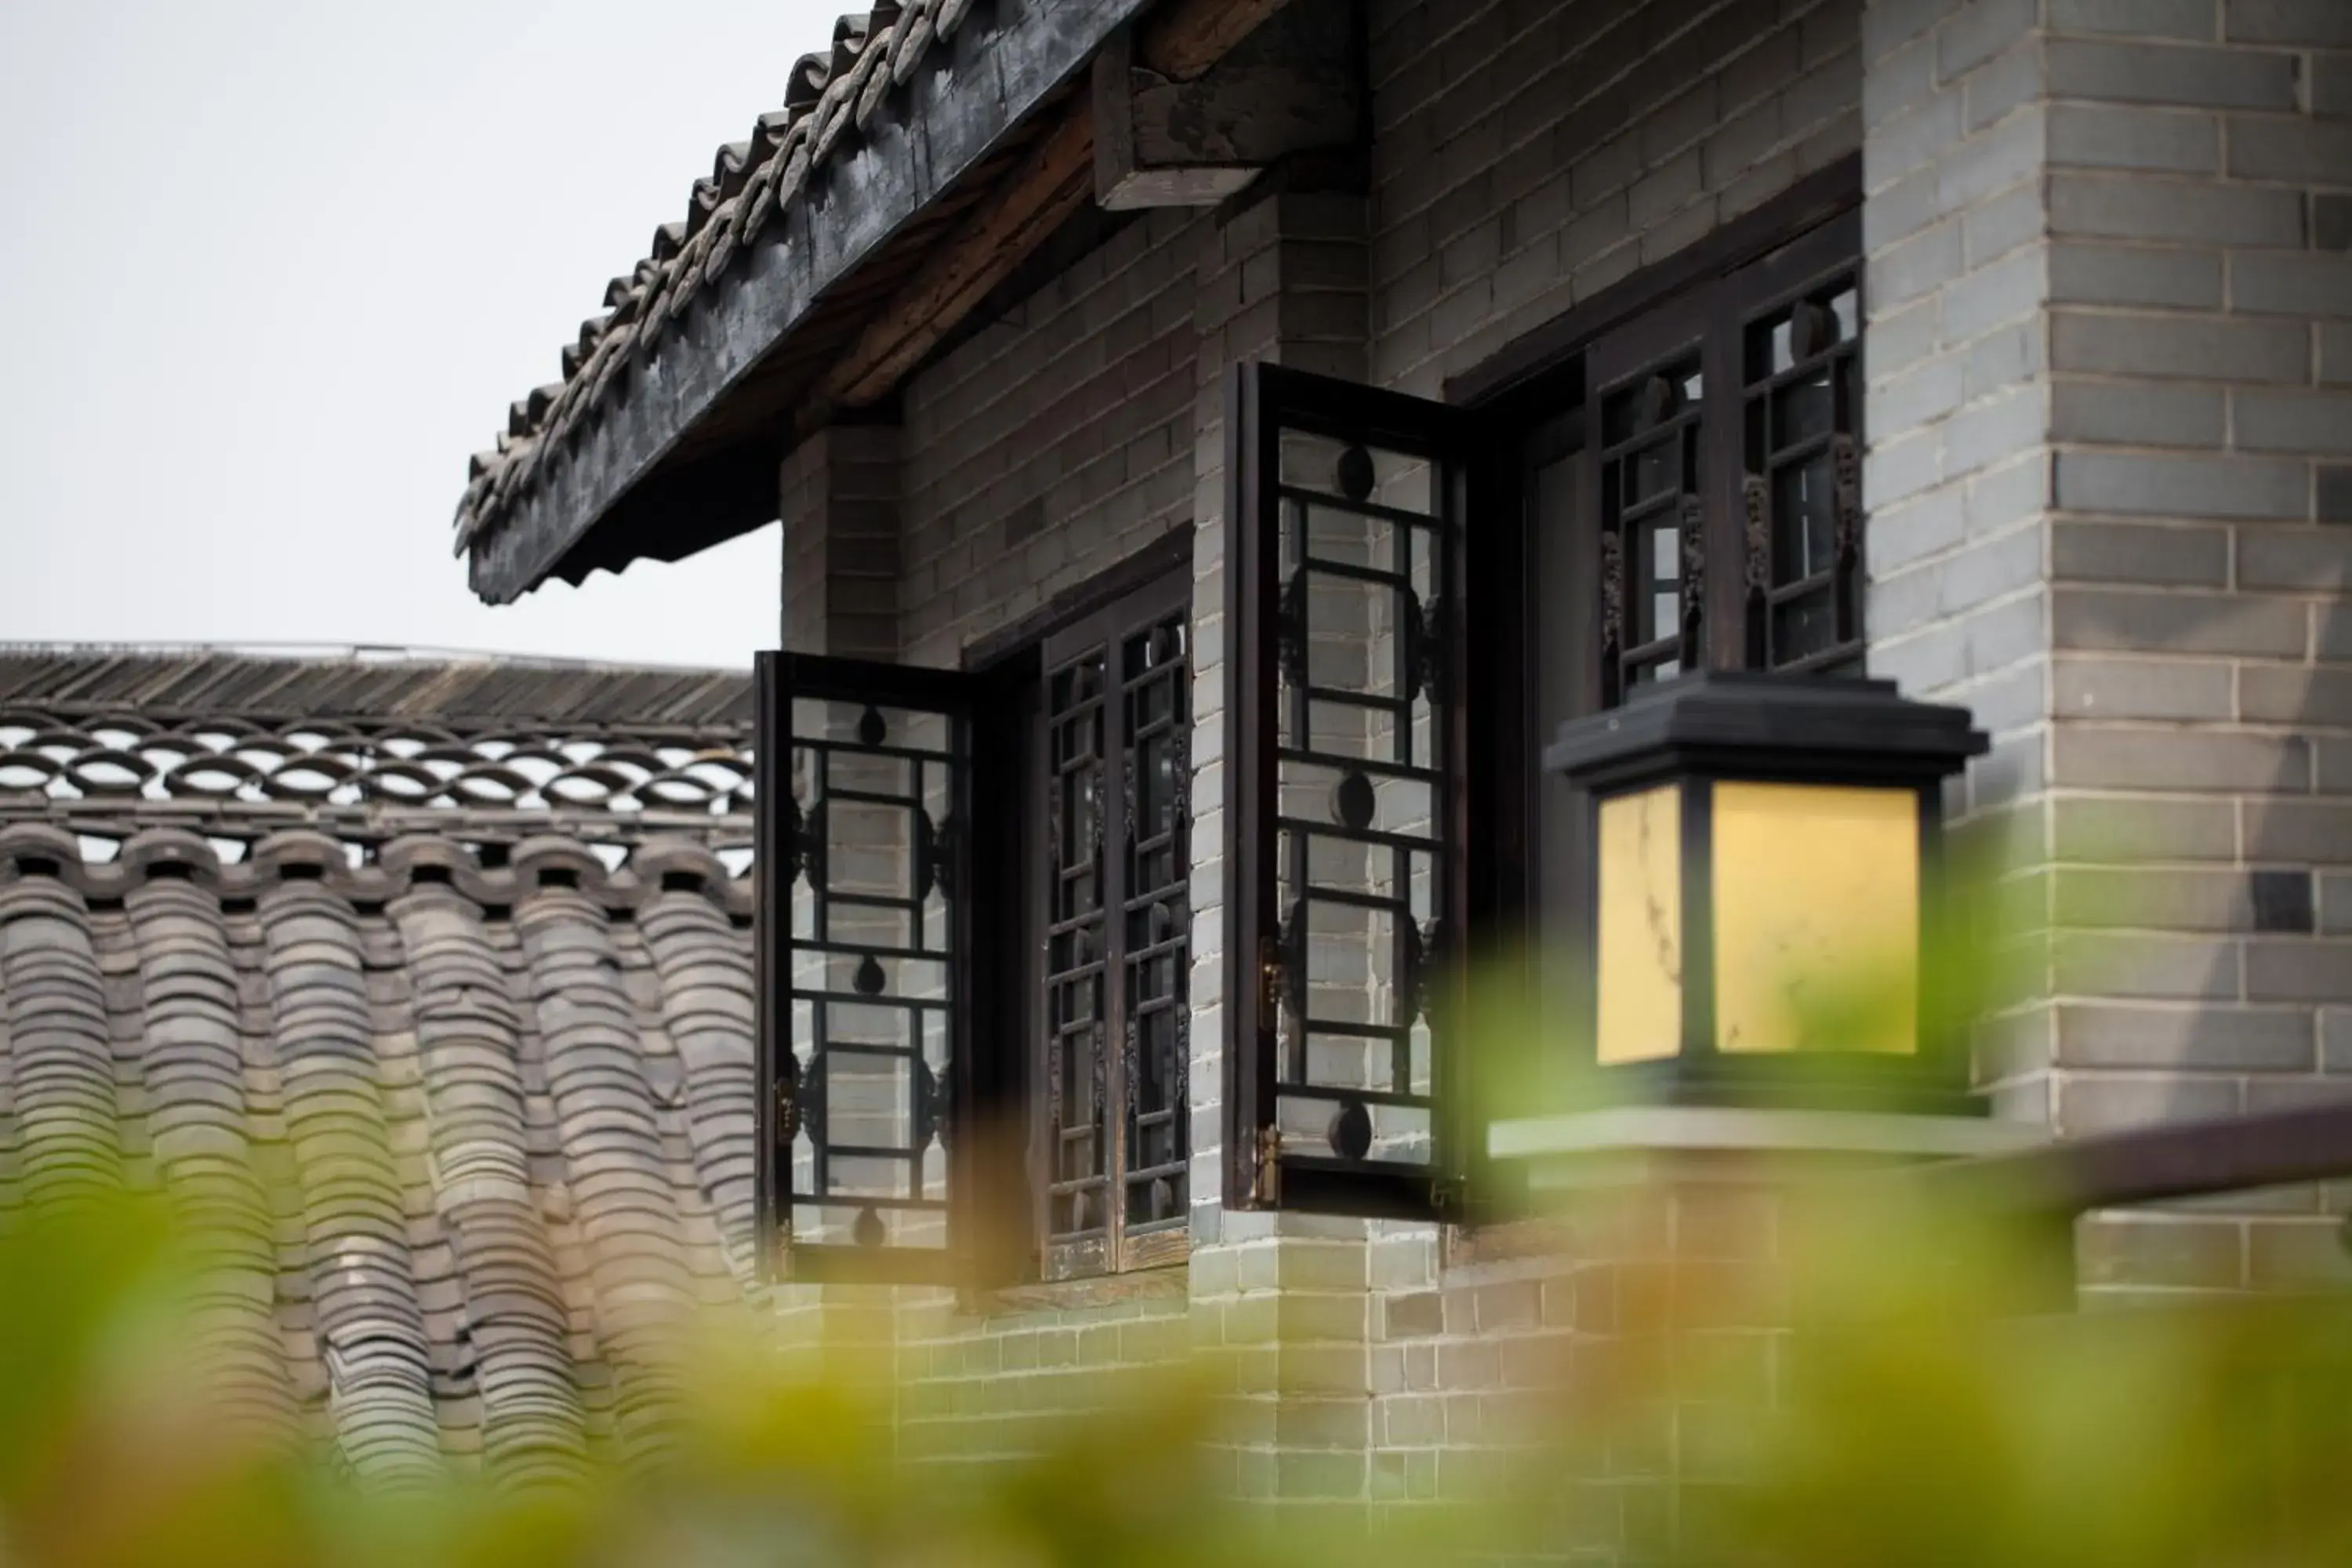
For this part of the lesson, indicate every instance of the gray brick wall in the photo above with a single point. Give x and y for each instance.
(1000, 1383)
(1527, 155)
(838, 494)
(1053, 443)
(1283, 280)
(2147, 318)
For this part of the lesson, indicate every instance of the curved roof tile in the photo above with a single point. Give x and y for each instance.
(826, 97)
(476, 1121)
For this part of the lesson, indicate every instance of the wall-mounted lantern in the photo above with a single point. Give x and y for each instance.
(1765, 854)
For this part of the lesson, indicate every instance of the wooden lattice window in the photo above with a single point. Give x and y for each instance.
(973, 939)
(1115, 880)
(1652, 467)
(1346, 817)
(866, 927)
(1725, 472)
(1800, 499)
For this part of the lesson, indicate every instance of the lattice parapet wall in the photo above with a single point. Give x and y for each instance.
(367, 782)
(31, 850)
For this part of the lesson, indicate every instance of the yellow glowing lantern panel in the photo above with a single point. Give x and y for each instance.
(1816, 894)
(1640, 927)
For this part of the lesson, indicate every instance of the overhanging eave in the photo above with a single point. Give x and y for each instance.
(663, 455)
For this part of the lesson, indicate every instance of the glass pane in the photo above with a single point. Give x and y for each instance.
(1353, 471)
(871, 727)
(1671, 392)
(1360, 721)
(1350, 800)
(1348, 539)
(1658, 597)
(1657, 469)
(1805, 625)
(1804, 521)
(1341, 1126)
(1804, 409)
(875, 1224)
(869, 971)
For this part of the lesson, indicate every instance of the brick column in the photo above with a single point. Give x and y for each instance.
(2110, 412)
(838, 495)
(1283, 279)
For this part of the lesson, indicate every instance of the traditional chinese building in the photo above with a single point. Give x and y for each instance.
(1219, 443)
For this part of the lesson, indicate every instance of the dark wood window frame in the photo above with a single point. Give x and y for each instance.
(974, 1115)
(1347, 807)
(1748, 387)
(846, 742)
(1108, 840)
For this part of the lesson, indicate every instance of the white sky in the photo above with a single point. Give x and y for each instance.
(272, 269)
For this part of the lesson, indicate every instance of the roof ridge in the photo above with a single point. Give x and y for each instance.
(224, 683)
(383, 654)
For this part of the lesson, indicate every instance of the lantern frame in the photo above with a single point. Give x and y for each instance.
(1703, 731)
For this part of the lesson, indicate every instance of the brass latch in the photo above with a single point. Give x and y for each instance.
(1266, 1177)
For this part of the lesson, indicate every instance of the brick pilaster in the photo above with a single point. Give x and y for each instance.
(838, 494)
(2108, 398)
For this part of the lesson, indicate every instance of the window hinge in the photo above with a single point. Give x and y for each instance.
(780, 1253)
(1265, 1179)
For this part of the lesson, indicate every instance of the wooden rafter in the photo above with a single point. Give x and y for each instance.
(1181, 44)
(1015, 218)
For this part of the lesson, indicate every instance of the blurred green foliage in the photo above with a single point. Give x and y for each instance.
(1882, 1385)
(1914, 1417)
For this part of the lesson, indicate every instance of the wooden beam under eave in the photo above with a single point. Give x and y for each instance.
(1292, 89)
(1005, 227)
(1181, 44)
(1188, 36)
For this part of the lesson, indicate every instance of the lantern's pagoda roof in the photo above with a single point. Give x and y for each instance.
(1754, 724)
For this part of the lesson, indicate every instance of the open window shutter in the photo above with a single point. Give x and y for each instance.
(1346, 818)
(865, 982)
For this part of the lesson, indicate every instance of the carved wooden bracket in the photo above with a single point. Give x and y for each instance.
(1291, 85)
